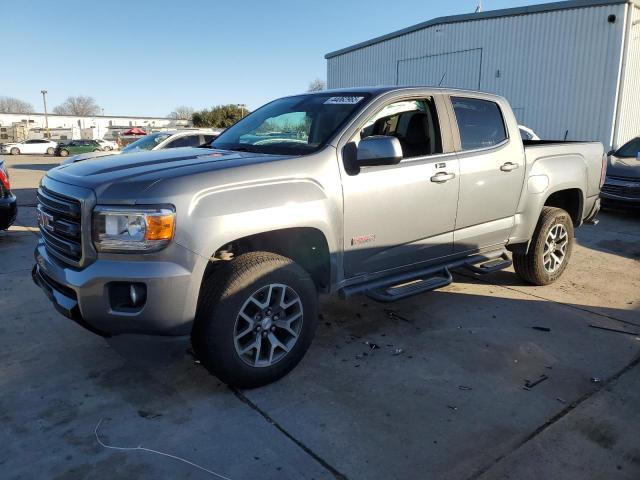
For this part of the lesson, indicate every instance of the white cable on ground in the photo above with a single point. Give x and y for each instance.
(95, 431)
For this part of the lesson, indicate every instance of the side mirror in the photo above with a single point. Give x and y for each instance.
(610, 153)
(378, 150)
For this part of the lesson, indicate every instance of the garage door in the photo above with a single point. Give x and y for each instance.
(454, 69)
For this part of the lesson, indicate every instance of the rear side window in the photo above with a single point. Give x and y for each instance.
(480, 123)
(186, 141)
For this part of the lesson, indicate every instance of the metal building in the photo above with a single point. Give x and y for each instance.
(570, 69)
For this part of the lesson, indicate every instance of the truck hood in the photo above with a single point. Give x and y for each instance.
(89, 155)
(127, 175)
(623, 167)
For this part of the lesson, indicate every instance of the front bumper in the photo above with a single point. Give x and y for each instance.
(85, 295)
(621, 192)
(8, 211)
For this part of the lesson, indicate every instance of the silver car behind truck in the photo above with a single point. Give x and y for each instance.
(375, 191)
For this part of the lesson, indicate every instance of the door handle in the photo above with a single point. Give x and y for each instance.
(442, 177)
(507, 167)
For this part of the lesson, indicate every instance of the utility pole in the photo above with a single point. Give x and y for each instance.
(479, 7)
(46, 118)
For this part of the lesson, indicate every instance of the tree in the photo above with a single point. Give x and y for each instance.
(317, 85)
(182, 112)
(221, 116)
(14, 105)
(80, 106)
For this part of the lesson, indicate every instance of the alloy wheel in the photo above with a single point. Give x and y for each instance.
(268, 325)
(555, 248)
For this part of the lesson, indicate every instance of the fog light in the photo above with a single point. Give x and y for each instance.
(137, 294)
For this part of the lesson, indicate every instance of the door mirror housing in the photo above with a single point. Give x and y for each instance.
(611, 152)
(378, 150)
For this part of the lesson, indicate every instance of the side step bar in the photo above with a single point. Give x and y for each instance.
(491, 266)
(406, 284)
(413, 287)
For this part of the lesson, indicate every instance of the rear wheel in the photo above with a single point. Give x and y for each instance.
(64, 153)
(96, 149)
(107, 148)
(550, 249)
(15, 151)
(50, 151)
(256, 319)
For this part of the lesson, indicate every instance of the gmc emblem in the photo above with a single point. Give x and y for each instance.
(45, 220)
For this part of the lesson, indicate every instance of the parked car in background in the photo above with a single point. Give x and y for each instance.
(78, 146)
(527, 134)
(375, 191)
(157, 141)
(622, 184)
(107, 145)
(40, 146)
(8, 203)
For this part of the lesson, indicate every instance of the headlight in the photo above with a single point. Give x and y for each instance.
(135, 229)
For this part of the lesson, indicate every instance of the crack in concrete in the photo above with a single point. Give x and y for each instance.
(336, 474)
(556, 418)
(568, 305)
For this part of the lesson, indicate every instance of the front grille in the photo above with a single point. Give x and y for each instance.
(622, 190)
(61, 230)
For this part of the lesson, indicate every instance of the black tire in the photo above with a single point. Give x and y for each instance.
(50, 151)
(15, 151)
(530, 267)
(64, 153)
(222, 297)
(97, 150)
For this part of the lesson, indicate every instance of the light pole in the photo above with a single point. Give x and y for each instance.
(46, 118)
(242, 108)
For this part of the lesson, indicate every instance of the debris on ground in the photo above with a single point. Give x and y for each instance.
(464, 388)
(528, 385)
(561, 400)
(149, 415)
(397, 351)
(452, 407)
(393, 315)
(371, 345)
(616, 330)
(595, 380)
(542, 329)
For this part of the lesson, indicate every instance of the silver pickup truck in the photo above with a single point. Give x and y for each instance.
(374, 191)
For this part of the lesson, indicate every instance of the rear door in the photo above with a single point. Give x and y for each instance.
(404, 214)
(491, 171)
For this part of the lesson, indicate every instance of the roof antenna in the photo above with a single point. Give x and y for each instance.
(479, 7)
(442, 79)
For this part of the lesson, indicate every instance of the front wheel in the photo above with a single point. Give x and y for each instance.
(64, 153)
(550, 248)
(50, 151)
(256, 318)
(15, 151)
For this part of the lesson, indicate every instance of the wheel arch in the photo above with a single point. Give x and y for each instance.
(307, 246)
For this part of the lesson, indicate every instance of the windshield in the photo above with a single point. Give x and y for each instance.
(629, 150)
(147, 142)
(292, 125)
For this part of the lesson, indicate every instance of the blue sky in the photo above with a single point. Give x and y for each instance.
(145, 58)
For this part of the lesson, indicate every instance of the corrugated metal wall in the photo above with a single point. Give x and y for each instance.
(558, 69)
(629, 118)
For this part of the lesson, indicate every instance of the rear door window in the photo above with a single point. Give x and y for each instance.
(480, 123)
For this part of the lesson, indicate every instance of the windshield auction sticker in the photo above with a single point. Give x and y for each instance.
(343, 100)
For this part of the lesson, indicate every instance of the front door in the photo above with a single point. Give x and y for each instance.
(403, 214)
(491, 173)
